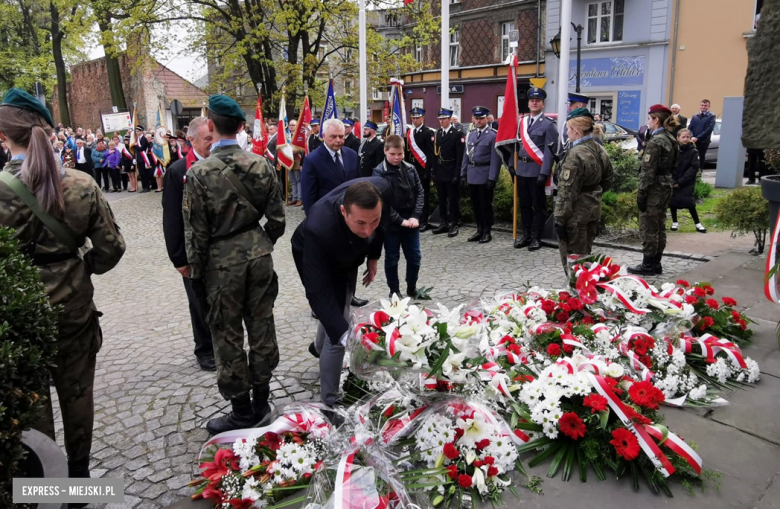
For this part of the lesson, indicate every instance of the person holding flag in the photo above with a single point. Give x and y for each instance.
(299, 131)
(260, 130)
(538, 139)
(419, 144)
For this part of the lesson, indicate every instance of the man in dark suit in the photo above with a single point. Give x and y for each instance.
(702, 125)
(142, 163)
(173, 228)
(314, 140)
(350, 140)
(340, 231)
(84, 157)
(329, 166)
(420, 153)
(371, 151)
(448, 151)
(534, 166)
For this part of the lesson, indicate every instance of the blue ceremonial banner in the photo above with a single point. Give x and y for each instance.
(398, 125)
(329, 111)
(160, 145)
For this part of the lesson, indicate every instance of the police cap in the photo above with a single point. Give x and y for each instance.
(20, 99)
(537, 93)
(315, 121)
(371, 125)
(418, 112)
(578, 98)
(480, 111)
(348, 122)
(445, 113)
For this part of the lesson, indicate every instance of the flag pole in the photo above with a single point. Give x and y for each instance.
(363, 64)
(514, 200)
(445, 55)
(563, 68)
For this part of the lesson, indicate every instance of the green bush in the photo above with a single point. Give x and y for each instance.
(28, 326)
(745, 211)
(626, 168)
(702, 189)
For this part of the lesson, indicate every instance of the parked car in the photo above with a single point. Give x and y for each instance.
(615, 132)
(711, 157)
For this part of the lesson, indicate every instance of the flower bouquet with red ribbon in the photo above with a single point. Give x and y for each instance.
(717, 318)
(388, 415)
(261, 466)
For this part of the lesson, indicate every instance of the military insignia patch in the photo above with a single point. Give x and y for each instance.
(647, 158)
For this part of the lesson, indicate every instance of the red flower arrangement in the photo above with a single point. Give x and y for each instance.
(646, 395)
(625, 443)
(572, 426)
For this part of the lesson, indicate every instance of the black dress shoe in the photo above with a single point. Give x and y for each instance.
(395, 292)
(534, 245)
(207, 363)
(358, 303)
(525, 241)
(313, 351)
(442, 228)
(453, 232)
(475, 237)
(411, 291)
(485, 238)
(425, 227)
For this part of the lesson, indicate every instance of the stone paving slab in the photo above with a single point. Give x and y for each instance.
(151, 399)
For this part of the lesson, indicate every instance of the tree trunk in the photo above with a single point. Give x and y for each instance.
(113, 70)
(59, 64)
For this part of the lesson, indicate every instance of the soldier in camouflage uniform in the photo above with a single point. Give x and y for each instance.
(225, 197)
(79, 211)
(585, 173)
(655, 188)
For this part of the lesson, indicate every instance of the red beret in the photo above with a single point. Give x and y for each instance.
(659, 108)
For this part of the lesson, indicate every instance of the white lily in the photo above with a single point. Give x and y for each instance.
(467, 331)
(452, 366)
(474, 429)
(395, 307)
(470, 457)
(416, 322)
(478, 480)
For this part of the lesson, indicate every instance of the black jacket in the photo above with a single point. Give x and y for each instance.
(173, 219)
(352, 142)
(314, 142)
(372, 155)
(327, 255)
(407, 191)
(424, 139)
(448, 154)
(685, 178)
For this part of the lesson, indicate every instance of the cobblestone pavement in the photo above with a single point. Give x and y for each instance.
(152, 400)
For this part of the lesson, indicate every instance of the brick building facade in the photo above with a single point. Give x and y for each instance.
(147, 86)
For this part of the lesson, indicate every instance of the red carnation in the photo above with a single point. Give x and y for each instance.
(564, 296)
(458, 433)
(683, 283)
(690, 299)
(568, 349)
(452, 471)
(728, 301)
(477, 463)
(492, 471)
(515, 349)
(572, 426)
(625, 443)
(562, 316)
(713, 303)
(548, 306)
(700, 292)
(706, 322)
(482, 443)
(710, 290)
(553, 350)
(488, 460)
(596, 403)
(450, 451)
(576, 304)
(742, 324)
(646, 395)
(587, 321)
(736, 316)
(464, 481)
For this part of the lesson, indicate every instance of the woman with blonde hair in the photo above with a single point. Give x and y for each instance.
(53, 211)
(659, 161)
(584, 173)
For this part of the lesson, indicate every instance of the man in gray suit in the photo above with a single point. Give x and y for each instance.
(539, 137)
(481, 166)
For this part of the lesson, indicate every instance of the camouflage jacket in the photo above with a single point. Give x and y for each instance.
(659, 161)
(87, 215)
(222, 228)
(585, 173)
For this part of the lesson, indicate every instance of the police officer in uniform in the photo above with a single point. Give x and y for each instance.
(539, 137)
(448, 148)
(350, 140)
(371, 150)
(655, 188)
(229, 254)
(480, 168)
(314, 140)
(422, 157)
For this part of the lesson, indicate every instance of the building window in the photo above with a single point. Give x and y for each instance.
(391, 19)
(418, 54)
(505, 49)
(455, 48)
(605, 21)
(347, 87)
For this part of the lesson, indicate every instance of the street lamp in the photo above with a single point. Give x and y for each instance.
(555, 42)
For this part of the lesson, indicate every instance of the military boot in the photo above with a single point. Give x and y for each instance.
(658, 268)
(523, 242)
(646, 268)
(260, 404)
(242, 416)
(442, 228)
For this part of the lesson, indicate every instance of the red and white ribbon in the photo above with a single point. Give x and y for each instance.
(678, 445)
(711, 346)
(415, 149)
(770, 284)
(529, 146)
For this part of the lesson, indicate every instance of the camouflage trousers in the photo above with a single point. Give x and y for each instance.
(580, 241)
(239, 295)
(652, 222)
(78, 342)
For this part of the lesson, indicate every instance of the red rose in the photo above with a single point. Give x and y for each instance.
(683, 283)
(568, 349)
(553, 350)
(572, 426)
(576, 304)
(464, 481)
(450, 451)
(710, 290)
(482, 443)
(548, 306)
(625, 443)
(565, 307)
(743, 324)
(562, 316)
(587, 321)
(564, 296)
(596, 403)
(700, 292)
(488, 460)
(492, 471)
(713, 303)
(728, 301)
(452, 471)
(690, 299)
(647, 361)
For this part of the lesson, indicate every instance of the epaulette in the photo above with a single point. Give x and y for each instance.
(493, 129)
(554, 121)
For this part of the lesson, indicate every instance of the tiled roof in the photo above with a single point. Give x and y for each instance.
(179, 88)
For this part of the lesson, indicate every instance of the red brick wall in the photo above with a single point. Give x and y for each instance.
(527, 25)
(478, 42)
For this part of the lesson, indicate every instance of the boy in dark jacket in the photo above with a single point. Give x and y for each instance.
(403, 229)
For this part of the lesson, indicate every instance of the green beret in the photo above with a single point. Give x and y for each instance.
(21, 99)
(579, 112)
(225, 106)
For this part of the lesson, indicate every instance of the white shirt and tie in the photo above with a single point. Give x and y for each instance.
(80, 156)
(338, 159)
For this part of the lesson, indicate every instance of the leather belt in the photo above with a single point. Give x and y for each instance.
(479, 164)
(524, 159)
